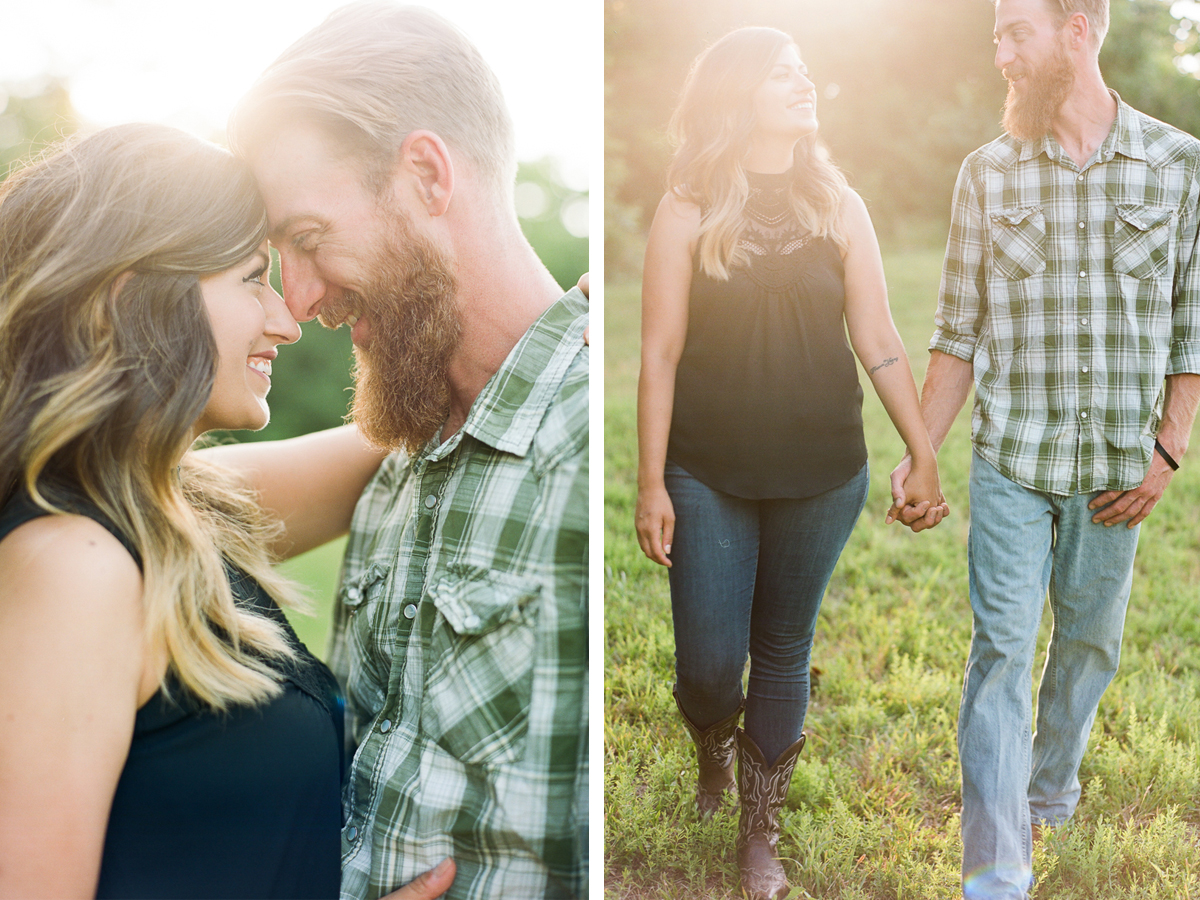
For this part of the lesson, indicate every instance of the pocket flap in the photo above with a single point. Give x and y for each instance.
(354, 591)
(475, 601)
(1015, 216)
(1144, 218)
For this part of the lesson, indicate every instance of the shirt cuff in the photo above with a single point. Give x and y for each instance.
(962, 346)
(1185, 358)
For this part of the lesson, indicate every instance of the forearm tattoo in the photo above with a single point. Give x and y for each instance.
(883, 365)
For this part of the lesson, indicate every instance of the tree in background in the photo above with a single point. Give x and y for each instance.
(905, 92)
(312, 379)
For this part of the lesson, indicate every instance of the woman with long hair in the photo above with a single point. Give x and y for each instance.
(752, 466)
(163, 733)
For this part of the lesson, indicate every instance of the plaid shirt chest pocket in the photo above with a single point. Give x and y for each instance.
(1141, 244)
(1019, 242)
(364, 599)
(480, 676)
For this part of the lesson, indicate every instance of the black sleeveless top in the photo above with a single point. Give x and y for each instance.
(239, 804)
(767, 399)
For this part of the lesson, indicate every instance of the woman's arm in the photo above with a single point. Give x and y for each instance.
(880, 350)
(666, 282)
(311, 482)
(72, 657)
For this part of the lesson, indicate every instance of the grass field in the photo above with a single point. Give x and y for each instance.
(873, 807)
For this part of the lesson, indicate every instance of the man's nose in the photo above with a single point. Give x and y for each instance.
(303, 287)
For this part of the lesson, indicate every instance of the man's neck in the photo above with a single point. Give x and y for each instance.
(1086, 117)
(502, 290)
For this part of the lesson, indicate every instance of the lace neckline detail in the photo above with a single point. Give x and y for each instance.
(772, 237)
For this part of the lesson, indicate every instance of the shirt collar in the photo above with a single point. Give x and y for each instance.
(1125, 137)
(512, 404)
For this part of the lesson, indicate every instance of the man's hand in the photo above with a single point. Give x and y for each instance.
(1133, 505)
(432, 884)
(920, 516)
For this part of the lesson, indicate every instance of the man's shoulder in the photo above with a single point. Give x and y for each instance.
(999, 154)
(1164, 143)
(563, 431)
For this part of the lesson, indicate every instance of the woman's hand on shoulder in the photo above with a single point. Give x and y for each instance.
(72, 652)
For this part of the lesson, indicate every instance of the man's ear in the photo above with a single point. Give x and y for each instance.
(425, 163)
(1079, 29)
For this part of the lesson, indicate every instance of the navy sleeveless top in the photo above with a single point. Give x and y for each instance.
(767, 399)
(239, 804)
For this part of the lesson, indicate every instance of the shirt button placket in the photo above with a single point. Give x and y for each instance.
(1083, 299)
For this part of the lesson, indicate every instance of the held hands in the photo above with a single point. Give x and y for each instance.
(429, 886)
(655, 522)
(917, 499)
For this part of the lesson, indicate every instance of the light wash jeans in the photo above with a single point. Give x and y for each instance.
(1023, 542)
(748, 576)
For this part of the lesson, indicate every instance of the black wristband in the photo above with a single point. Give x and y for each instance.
(1167, 456)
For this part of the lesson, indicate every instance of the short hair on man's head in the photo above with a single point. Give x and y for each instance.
(372, 73)
(1095, 11)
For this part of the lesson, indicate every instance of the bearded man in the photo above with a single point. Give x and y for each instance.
(1070, 300)
(385, 155)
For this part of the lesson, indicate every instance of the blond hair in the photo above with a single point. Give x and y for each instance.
(713, 125)
(107, 359)
(1095, 11)
(372, 73)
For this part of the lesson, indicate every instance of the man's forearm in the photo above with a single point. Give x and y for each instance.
(1180, 402)
(948, 383)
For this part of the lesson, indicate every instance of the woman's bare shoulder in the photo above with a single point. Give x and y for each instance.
(54, 559)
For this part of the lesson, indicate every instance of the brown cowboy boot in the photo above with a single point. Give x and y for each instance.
(715, 753)
(762, 789)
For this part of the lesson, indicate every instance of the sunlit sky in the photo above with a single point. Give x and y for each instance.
(187, 63)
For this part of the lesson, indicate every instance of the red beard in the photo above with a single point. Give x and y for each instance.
(401, 380)
(1030, 117)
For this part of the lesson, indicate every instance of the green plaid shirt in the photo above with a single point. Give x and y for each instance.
(460, 636)
(1074, 293)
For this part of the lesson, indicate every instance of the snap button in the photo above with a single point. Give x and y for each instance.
(430, 501)
(410, 611)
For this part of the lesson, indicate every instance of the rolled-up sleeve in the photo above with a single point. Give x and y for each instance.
(1185, 298)
(962, 294)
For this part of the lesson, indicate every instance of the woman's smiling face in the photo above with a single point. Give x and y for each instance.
(785, 103)
(249, 320)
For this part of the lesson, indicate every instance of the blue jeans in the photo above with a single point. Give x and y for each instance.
(1023, 543)
(748, 576)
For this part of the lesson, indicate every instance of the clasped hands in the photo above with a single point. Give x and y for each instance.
(917, 499)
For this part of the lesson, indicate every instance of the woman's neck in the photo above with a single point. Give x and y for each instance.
(769, 156)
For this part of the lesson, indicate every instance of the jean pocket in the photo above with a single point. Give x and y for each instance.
(1019, 242)
(1141, 239)
(480, 677)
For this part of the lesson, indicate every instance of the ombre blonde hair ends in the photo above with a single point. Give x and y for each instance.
(107, 359)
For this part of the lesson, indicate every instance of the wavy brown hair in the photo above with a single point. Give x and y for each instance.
(107, 359)
(712, 127)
